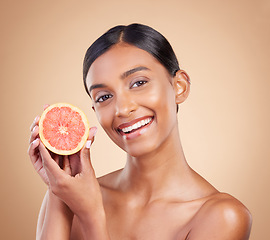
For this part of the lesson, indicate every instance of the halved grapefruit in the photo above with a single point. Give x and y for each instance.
(63, 128)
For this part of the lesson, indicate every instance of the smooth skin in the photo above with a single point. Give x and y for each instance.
(156, 195)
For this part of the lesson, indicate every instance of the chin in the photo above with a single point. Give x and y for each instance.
(142, 149)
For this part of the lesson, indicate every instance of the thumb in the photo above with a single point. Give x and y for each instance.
(51, 167)
(85, 152)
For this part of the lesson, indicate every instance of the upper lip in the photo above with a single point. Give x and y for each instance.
(128, 124)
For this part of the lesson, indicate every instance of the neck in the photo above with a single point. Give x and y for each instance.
(157, 172)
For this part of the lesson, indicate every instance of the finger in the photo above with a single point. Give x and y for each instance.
(56, 159)
(85, 152)
(45, 106)
(32, 151)
(34, 123)
(75, 163)
(92, 133)
(34, 134)
(66, 165)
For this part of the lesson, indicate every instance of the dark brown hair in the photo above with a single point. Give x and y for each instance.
(141, 36)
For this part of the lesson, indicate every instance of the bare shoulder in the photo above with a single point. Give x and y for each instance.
(222, 217)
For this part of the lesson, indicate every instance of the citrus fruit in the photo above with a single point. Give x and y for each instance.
(63, 128)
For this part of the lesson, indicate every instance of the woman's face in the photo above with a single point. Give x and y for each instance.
(133, 97)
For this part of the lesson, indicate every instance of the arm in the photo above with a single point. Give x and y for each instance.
(55, 219)
(94, 227)
(225, 219)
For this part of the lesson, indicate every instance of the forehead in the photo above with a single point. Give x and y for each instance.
(119, 59)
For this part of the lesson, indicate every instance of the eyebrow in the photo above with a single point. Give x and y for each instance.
(97, 86)
(123, 76)
(133, 70)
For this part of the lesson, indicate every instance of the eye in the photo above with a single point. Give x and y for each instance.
(103, 98)
(138, 83)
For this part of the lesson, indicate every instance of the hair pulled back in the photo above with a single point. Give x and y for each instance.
(138, 35)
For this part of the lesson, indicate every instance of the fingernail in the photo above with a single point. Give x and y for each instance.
(36, 118)
(88, 144)
(35, 141)
(94, 130)
(34, 128)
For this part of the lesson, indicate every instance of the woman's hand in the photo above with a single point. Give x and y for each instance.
(78, 188)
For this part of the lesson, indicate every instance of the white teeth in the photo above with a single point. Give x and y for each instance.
(137, 125)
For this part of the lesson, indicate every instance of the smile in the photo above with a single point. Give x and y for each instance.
(132, 127)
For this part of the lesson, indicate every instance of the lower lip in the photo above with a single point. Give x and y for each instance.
(137, 133)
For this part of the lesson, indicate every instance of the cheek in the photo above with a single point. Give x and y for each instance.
(162, 97)
(104, 118)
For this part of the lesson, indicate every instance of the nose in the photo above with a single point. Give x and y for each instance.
(124, 105)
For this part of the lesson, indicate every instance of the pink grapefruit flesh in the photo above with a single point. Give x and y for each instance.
(63, 128)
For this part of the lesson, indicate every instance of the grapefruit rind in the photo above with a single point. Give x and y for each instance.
(83, 138)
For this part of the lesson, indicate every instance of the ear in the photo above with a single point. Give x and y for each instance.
(181, 83)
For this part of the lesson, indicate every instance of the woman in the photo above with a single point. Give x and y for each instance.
(133, 78)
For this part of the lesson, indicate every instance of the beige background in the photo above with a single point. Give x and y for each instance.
(223, 45)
